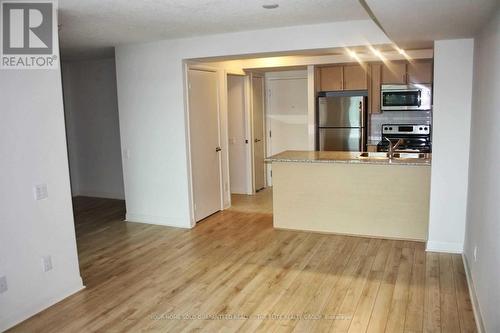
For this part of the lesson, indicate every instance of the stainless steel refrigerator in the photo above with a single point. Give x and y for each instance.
(341, 121)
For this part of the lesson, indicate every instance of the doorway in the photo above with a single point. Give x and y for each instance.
(92, 128)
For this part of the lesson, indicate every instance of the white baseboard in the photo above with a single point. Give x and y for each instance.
(23, 313)
(444, 247)
(473, 297)
(159, 220)
(104, 195)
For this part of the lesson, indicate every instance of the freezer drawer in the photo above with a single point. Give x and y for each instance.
(341, 111)
(341, 139)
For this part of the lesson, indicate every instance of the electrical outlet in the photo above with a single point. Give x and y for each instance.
(3, 284)
(41, 192)
(475, 253)
(47, 263)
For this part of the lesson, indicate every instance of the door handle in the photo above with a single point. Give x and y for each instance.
(218, 149)
(257, 140)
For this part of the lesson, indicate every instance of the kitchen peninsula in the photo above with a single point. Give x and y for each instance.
(352, 193)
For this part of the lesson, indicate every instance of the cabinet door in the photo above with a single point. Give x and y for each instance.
(331, 78)
(355, 78)
(420, 72)
(394, 73)
(374, 92)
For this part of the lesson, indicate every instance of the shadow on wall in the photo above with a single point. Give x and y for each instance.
(92, 128)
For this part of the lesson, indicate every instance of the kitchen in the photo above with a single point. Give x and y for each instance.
(388, 175)
(363, 112)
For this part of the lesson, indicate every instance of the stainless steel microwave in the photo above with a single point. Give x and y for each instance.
(417, 97)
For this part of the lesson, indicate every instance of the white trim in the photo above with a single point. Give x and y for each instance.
(269, 151)
(192, 221)
(311, 106)
(248, 132)
(473, 297)
(21, 314)
(444, 247)
(223, 101)
(157, 220)
(105, 195)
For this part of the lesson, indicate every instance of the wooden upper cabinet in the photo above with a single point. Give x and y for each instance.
(355, 78)
(330, 78)
(374, 92)
(420, 72)
(394, 73)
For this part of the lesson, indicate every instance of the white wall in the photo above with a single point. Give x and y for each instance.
(151, 104)
(33, 151)
(450, 143)
(483, 214)
(93, 134)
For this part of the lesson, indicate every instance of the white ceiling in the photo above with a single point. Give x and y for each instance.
(89, 27)
(427, 20)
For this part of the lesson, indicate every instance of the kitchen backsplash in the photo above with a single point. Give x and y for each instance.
(396, 117)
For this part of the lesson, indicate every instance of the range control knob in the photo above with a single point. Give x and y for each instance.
(420, 128)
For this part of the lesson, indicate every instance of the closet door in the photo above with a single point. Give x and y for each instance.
(204, 142)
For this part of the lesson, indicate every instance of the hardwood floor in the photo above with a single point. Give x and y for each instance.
(234, 272)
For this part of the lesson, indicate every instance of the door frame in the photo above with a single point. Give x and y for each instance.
(187, 67)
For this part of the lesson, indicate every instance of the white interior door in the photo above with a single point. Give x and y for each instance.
(258, 132)
(238, 164)
(204, 142)
(287, 116)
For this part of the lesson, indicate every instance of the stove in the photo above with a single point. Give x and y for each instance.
(416, 137)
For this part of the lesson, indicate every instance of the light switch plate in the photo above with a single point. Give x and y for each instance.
(47, 263)
(3, 284)
(41, 192)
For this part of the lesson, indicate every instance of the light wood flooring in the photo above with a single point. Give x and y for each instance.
(234, 272)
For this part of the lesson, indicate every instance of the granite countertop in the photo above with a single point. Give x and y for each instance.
(345, 157)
